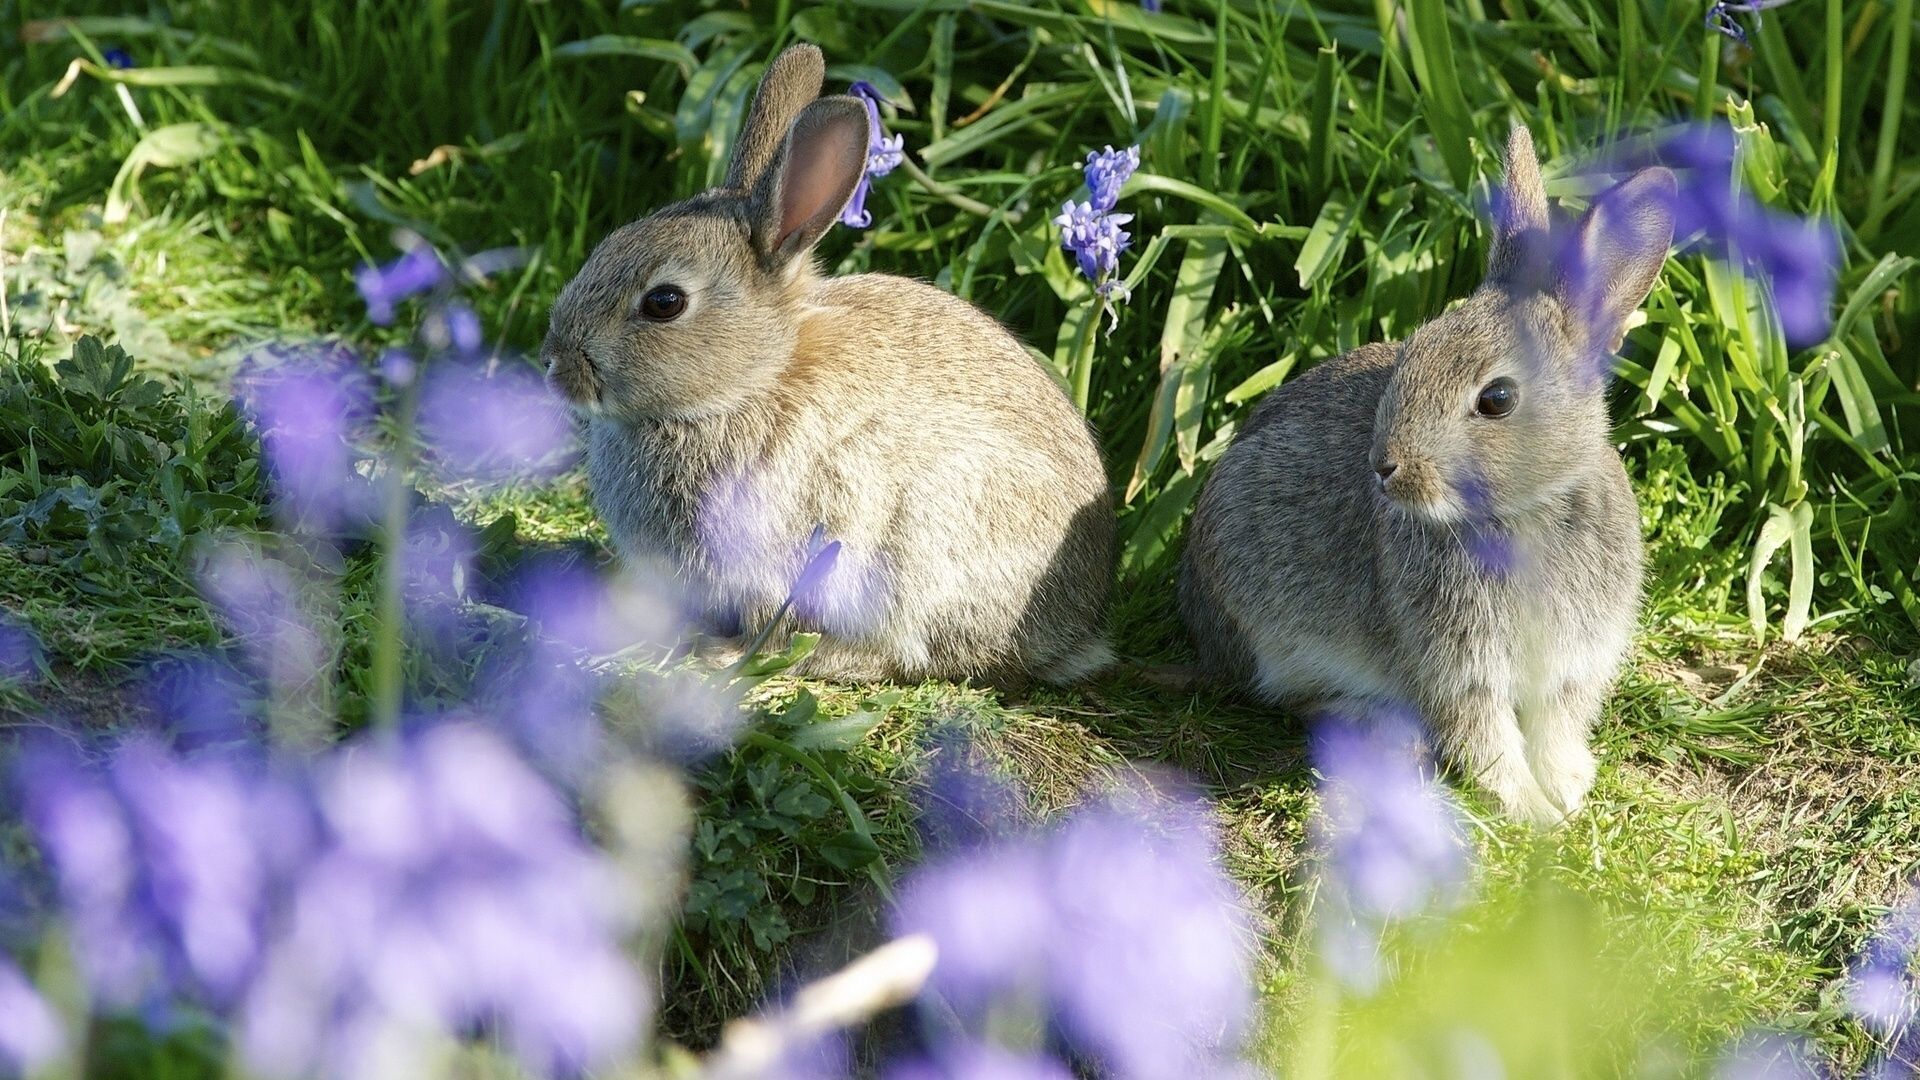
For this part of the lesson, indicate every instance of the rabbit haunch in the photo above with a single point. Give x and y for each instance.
(1444, 523)
(735, 399)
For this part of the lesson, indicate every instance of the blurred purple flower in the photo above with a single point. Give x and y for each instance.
(453, 326)
(418, 270)
(397, 367)
(310, 404)
(1883, 982)
(1389, 834)
(1797, 258)
(493, 424)
(884, 154)
(19, 649)
(261, 599)
(1720, 15)
(31, 1035)
(1487, 541)
(453, 890)
(1769, 1056)
(752, 559)
(203, 704)
(164, 866)
(1150, 5)
(979, 1061)
(119, 59)
(1119, 924)
(1107, 171)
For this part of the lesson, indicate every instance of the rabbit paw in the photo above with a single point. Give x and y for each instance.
(1565, 773)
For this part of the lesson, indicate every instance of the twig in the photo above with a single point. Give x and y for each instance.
(889, 976)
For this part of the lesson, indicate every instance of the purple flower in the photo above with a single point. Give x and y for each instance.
(1768, 1056)
(31, 1035)
(489, 424)
(204, 703)
(263, 600)
(453, 326)
(310, 404)
(1798, 259)
(754, 561)
(1095, 238)
(884, 154)
(1486, 539)
(118, 58)
(452, 889)
(164, 866)
(1119, 926)
(381, 287)
(1720, 15)
(1107, 171)
(979, 1061)
(1150, 5)
(19, 649)
(1883, 982)
(1389, 834)
(1091, 230)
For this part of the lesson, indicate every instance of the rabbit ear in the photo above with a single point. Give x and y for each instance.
(792, 80)
(811, 178)
(1617, 252)
(1519, 213)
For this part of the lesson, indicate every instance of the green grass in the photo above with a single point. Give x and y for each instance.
(1311, 180)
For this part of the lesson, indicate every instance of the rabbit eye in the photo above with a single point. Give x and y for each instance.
(663, 302)
(1497, 398)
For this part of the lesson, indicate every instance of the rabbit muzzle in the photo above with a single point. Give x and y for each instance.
(1416, 486)
(571, 371)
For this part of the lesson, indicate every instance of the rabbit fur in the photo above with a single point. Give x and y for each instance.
(1372, 541)
(965, 489)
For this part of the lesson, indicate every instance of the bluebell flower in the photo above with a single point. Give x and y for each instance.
(1107, 170)
(884, 154)
(1391, 837)
(1118, 929)
(1720, 15)
(118, 58)
(1091, 230)
(382, 287)
(19, 649)
(1096, 240)
(31, 1035)
(1883, 983)
(1797, 258)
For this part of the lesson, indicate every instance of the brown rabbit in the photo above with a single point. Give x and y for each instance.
(1443, 523)
(735, 400)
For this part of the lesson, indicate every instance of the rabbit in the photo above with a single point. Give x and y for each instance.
(737, 403)
(1443, 523)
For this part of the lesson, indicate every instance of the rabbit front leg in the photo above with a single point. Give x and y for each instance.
(1479, 731)
(1556, 726)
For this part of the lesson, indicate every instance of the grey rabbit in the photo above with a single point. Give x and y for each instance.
(735, 399)
(1443, 524)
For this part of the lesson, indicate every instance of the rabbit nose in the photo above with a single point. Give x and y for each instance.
(1385, 470)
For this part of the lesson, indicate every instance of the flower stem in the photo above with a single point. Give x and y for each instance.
(1709, 85)
(1897, 90)
(1083, 355)
(389, 628)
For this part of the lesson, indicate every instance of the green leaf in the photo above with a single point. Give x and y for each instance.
(603, 45)
(164, 147)
(848, 850)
